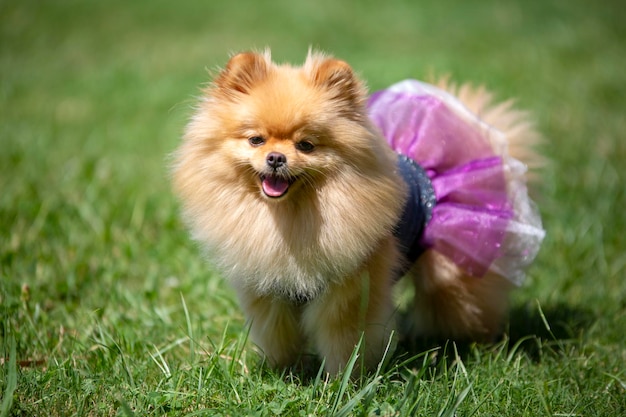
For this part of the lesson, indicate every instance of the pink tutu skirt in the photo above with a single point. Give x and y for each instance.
(482, 218)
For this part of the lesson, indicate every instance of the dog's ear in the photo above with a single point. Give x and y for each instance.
(337, 77)
(242, 72)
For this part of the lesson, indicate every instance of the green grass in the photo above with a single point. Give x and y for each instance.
(107, 308)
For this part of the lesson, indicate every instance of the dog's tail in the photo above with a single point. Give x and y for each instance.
(516, 125)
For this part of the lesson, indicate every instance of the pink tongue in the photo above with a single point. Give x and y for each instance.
(274, 186)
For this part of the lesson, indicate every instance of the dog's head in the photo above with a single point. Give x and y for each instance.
(282, 129)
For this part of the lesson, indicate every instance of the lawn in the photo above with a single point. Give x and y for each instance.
(108, 308)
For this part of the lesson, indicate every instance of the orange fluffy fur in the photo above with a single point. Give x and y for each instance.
(315, 265)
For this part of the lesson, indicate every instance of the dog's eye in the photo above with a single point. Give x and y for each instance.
(305, 146)
(256, 141)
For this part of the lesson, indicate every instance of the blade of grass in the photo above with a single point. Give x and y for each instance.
(316, 384)
(192, 347)
(450, 410)
(368, 390)
(11, 381)
(347, 375)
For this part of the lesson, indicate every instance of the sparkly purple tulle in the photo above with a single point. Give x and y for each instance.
(474, 223)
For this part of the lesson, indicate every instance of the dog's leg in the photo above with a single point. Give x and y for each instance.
(359, 305)
(274, 328)
(449, 303)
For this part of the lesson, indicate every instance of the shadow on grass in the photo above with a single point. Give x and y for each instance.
(530, 330)
(552, 325)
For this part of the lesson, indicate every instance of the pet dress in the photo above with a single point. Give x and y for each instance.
(467, 197)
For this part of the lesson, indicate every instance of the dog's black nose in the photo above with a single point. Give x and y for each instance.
(275, 159)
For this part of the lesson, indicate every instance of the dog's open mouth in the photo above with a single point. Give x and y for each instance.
(275, 186)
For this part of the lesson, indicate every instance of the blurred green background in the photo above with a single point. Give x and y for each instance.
(94, 95)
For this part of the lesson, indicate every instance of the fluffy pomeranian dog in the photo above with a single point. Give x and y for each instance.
(299, 199)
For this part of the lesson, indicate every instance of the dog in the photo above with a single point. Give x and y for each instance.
(314, 199)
